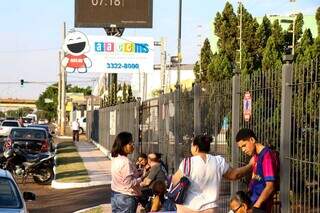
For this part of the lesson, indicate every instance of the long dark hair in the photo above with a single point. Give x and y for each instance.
(203, 142)
(122, 139)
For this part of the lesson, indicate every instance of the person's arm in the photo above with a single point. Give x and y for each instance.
(151, 176)
(238, 173)
(266, 193)
(129, 178)
(176, 177)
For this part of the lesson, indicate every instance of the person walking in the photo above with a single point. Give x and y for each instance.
(75, 130)
(125, 181)
(206, 173)
(265, 174)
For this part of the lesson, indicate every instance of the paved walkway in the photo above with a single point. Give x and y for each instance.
(96, 163)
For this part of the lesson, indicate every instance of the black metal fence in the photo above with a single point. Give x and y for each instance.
(285, 115)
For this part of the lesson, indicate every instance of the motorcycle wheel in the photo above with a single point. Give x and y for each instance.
(44, 176)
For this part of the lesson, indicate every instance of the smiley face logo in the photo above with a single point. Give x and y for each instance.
(75, 45)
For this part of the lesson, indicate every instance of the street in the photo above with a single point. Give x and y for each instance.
(64, 201)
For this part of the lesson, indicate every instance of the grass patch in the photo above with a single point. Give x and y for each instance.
(95, 210)
(70, 167)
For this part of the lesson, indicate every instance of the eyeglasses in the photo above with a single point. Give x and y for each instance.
(235, 210)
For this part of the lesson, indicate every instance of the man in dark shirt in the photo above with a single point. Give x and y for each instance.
(156, 171)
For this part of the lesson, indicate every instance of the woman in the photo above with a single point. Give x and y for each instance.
(240, 203)
(206, 174)
(125, 184)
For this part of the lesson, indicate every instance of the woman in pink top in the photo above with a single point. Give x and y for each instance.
(125, 184)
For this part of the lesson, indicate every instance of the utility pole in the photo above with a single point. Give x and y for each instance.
(240, 37)
(200, 47)
(63, 86)
(179, 44)
(59, 91)
(163, 59)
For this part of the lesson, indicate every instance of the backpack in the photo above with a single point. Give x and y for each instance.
(177, 194)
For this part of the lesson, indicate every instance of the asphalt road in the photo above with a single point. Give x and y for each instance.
(65, 201)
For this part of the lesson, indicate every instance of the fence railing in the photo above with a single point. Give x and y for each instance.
(285, 115)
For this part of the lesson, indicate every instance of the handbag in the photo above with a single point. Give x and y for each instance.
(177, 194)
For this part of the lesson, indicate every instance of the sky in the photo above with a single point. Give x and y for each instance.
(31, 35)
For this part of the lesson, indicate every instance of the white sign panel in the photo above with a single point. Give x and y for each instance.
(113, 122)
(121, 54)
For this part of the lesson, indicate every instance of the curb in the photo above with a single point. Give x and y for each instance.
(87, 209)
(102, 149)
(59, 185)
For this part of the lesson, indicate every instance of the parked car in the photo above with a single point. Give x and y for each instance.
(7, 125)
(83, 125)
(11, 199)
(31, 140)
(49, 132)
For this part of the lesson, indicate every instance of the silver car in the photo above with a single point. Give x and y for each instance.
(11, 199)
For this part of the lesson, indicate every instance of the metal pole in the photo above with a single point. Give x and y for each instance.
(59, 92)
(63, 86)
(293, 33)
(179, 43)
(285, 133)
(240, 38)
(163, 64)
(235, 125)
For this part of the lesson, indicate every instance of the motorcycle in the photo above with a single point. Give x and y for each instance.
(22, 164)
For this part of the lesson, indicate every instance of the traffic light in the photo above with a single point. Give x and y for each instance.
(21, 82)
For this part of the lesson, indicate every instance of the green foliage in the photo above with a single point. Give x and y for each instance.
(2, 114)
(226, 28)
(318, 20)
(196, 71)
(220, 68)
(305, 47)
(262, 36)
(206, 56)
(21, 112)
(49, 109)
(271, 56)
(76, 89)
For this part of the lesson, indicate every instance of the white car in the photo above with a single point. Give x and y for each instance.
(7, 125)
(83, 125)
(11, 199)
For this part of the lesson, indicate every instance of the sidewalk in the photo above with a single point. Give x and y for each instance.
(96, 163)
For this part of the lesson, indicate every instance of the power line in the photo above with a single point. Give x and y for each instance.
(29, 50)
(44, 82)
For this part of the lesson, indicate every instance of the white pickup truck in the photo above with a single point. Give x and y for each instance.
(7, 125)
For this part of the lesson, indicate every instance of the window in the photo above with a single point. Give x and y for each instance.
(31, 134)
(9, 195)
(10, 123)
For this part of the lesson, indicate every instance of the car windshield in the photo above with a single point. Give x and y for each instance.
(10, 123)
(9, 196)
(27, 120)
(31, 134)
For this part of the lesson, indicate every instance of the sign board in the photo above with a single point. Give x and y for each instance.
(111, 54)
(121, 13)
(247, 106)
(113, 122)
(48, 100)
(69, 106)
(75, 96)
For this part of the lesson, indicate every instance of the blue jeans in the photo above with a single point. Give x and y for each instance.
(122, 203)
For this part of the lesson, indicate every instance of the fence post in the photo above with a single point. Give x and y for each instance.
(235, 125)
(286, 99)
(176, 126)
(196, 109)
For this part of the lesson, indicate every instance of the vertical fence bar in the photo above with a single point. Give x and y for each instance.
(176, 126)
(235, 125)
(286, 99)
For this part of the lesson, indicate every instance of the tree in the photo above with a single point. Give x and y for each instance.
(226, 28)
(271, 56)
(2, 114)
(205, 56)
(49, 109)
(278, 36)
(220, 68)
(249, 41)
(76, 89)
(196, 71)
(262, 35)
(305, 48)
(131, 98)
(318, 20)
